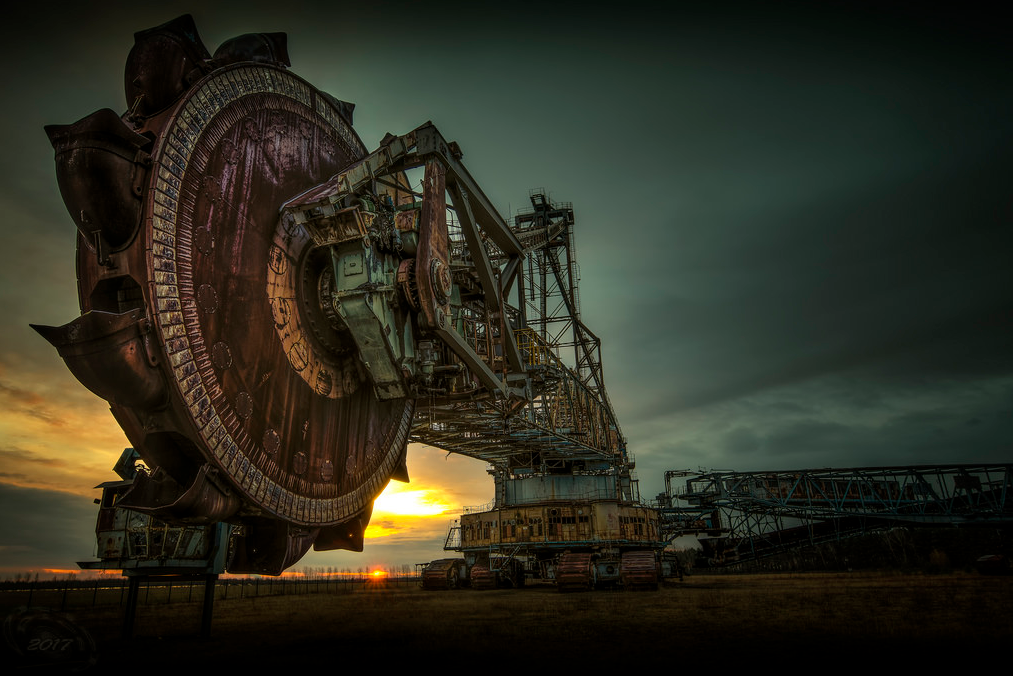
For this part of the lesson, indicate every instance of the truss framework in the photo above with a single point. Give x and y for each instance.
(564, 416)
(764, 511)
(490, 377)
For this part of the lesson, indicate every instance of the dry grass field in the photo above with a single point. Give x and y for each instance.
(841, 620)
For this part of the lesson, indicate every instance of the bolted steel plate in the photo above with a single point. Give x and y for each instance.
(275, 392)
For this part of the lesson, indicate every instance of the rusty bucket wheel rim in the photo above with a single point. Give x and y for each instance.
(179, 302)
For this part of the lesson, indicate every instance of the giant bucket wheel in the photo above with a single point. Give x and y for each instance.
(204, 315)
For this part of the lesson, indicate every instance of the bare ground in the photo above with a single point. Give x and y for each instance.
(842, 621)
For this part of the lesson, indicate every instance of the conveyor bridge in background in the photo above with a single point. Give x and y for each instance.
(763, 513)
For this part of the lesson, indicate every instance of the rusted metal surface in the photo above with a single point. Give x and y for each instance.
(265, 303)
(574, 572)
(432, 264)
(639, 569)
(113, 355)
(163, 63)
(442, 574)
(132, 541)
(619, 542)
(241, 395)
(306, 452)
(482, 577)
(561, 524)
(101, 167)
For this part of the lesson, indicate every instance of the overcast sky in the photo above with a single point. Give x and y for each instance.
(793, 224)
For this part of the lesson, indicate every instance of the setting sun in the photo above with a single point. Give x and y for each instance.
(399, 499)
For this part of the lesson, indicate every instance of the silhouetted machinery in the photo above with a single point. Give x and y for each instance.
(273, 312)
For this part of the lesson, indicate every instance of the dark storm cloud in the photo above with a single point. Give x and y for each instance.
(793, 220)
(832, 422)
(51, 529)
(931, 436)
(896, 281)
(840, 211)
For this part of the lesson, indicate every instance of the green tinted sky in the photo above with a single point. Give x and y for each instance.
(793, 221)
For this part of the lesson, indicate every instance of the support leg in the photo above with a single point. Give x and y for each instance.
(128, 617)
(209, 605)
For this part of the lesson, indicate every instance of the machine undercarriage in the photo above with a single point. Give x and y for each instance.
(577, 531)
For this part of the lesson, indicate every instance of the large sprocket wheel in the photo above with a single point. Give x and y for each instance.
(251, 403)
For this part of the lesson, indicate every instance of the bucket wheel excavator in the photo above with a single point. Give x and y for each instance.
(273, 311)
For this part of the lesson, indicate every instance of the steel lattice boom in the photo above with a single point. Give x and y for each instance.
(558, 413)
(767, 511)
(272, 311)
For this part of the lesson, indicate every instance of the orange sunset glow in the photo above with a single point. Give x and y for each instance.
(413, 509)
(403, 499)
(58, 435)
(60, 441)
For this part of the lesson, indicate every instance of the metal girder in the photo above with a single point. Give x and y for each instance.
(266, 354)
(943, 493)
(754, 503)
(479, 257)
(509, 274)
(486, 275)
(429, 141)
(474, 362)
(425, 146)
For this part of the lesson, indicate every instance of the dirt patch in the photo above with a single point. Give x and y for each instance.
(703, 621)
